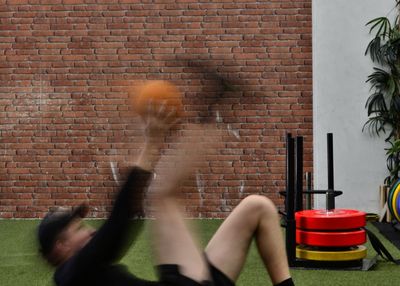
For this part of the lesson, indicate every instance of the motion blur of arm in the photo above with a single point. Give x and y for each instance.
(189, 156)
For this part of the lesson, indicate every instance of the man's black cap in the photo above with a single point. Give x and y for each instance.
(54, 223)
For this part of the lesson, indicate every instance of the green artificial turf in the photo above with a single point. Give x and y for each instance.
(20, 264)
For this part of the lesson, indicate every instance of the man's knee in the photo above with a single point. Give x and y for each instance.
(260, 204)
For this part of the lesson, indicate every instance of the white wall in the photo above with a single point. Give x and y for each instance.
(339, 93)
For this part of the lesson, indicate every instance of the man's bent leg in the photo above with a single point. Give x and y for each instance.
(256, 216)
(174, 244)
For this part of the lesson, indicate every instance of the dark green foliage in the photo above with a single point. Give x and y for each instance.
(383, 105)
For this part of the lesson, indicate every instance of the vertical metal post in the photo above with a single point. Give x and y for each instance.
(290, 193)
(288, 137)
(299, 174)
(308, 195)
(330, 197)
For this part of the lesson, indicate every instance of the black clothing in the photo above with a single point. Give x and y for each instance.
(219, 278)
(287, 282)
(170, 275)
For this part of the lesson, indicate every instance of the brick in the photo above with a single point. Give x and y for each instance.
(82, 56)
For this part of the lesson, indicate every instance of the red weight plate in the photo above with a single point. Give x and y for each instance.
(337, 219)
(331, 239)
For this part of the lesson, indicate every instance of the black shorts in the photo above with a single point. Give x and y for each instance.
(170, 275)
(219, 278)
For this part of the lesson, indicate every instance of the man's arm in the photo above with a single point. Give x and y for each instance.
(117, 233)
(115, 236)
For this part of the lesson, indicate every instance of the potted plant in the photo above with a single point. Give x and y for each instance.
(383, 104)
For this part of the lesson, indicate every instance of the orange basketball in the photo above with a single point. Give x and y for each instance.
(156, 92)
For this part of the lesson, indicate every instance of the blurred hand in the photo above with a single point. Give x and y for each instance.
(158, 122)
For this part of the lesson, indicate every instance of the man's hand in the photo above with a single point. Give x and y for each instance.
(158, 122)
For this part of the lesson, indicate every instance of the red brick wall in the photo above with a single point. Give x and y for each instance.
(65, 66)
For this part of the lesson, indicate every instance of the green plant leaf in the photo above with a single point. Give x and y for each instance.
(374, 49)
(382, 24)
(375, 124)
(376, 103)
(383, 103)
(379, 79)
